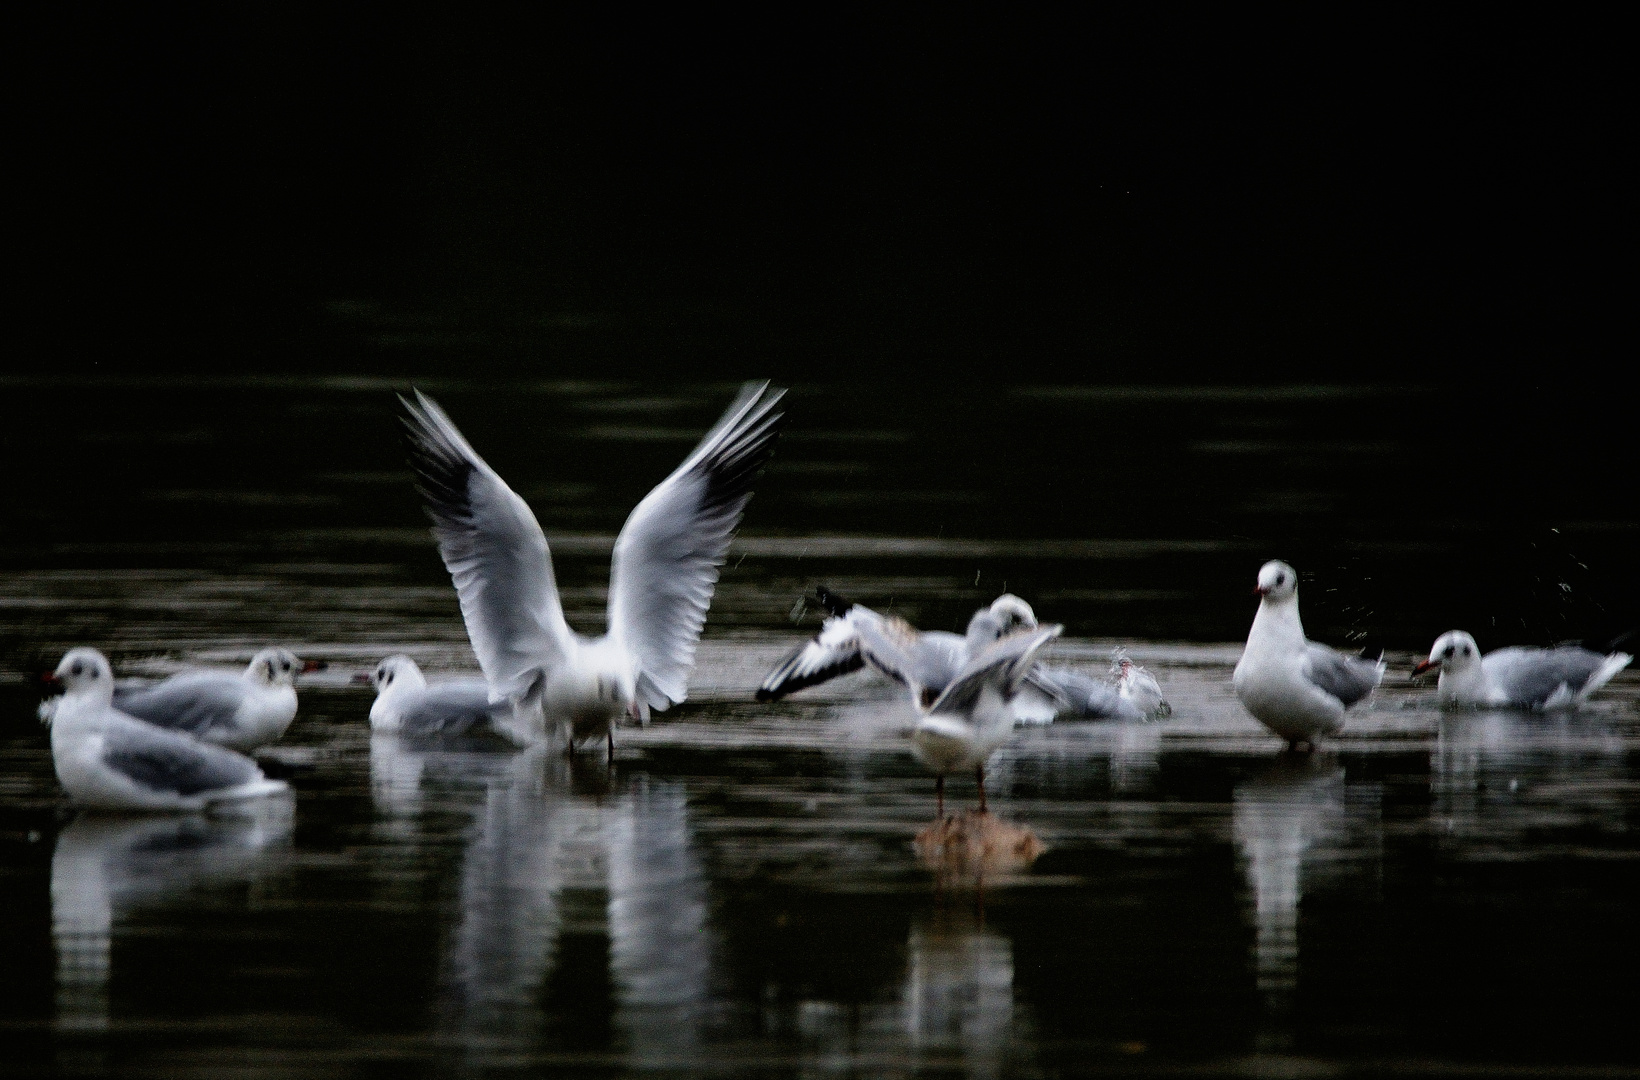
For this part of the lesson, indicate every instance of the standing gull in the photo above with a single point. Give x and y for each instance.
(975, 715)
(1519, 678)
(1293, 686)
(109, 760)
(407, 704)
(240, 711)
(662, 576)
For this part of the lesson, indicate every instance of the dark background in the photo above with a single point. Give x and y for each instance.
(1346, 199)
(902, 215)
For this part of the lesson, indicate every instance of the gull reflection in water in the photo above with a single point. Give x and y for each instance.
(1502, 776)
(1298, 828)
(959, 991)
(104, 867)
(560, 866)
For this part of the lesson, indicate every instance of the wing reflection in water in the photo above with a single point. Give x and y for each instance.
(959, 992)
(1299, 828)
(104, 867)
(581, 908)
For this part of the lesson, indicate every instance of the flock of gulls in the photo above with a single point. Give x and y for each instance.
(183, 744)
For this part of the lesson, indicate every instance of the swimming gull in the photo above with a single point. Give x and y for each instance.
(238, 710)
(107, 759)
(1516, 677)
(1295, 687)
(975, 715)
(662, 575)
(407, 704)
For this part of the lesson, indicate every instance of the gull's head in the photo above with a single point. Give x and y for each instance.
(1012, 614)
(276, 667)
(1452, 651)
(397, 672)
(1277, 581)
(85, 671)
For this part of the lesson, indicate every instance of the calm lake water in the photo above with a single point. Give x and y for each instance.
(743, 891)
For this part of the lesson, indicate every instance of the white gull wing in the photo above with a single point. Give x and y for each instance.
(1347, 678)
(196, 702)
(924, 662)
(667, 557)
(1008, 662)
(834, 651)
(495, 552)
(1550, 677)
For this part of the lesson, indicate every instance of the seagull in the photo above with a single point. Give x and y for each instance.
(406, 704)
(975, 714)
(240, 711)
(925, 662)
(662, 575)
(1139, 688)
(1520, 678)
(108, 760)
(1295, 687)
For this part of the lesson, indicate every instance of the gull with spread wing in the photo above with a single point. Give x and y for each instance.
(662, 575)
(1516, 677)
(1295, 687)
(926, 661)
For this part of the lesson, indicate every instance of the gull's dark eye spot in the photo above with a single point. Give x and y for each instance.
(1448, 651)
(1281, 579)
(387, 677)
(77, 669)
(1466, 650)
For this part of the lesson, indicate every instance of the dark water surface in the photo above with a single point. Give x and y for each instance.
(743, 892)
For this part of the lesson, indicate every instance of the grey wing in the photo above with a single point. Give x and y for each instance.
(164, 760)
(668, 554)
(1347, 678)
(1008, 662)
(1531, 676)
(451, 709)
(494, 549)
(1082, 696)
(195, 702)
(834, 651)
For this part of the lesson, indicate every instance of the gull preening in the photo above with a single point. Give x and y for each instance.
(662, 575)
(1295, 687)
(926, 662)
(407, 704)
(1516, 677)
(240, 711)
(1139, 688)
(107, 759)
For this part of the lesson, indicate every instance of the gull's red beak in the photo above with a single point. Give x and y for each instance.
(1427, 665)
(50, 677)
(1260, 590)
(310, 666)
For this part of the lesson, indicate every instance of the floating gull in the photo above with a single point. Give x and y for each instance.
(1139, 687)
(662, 576)
(973, 716)
(240, 711)
(107, 759)
(1295, 687)
(927, 661)
(1520, 678)
(406, 704)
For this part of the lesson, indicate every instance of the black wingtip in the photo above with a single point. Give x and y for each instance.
(765, 695)
(835, 605)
